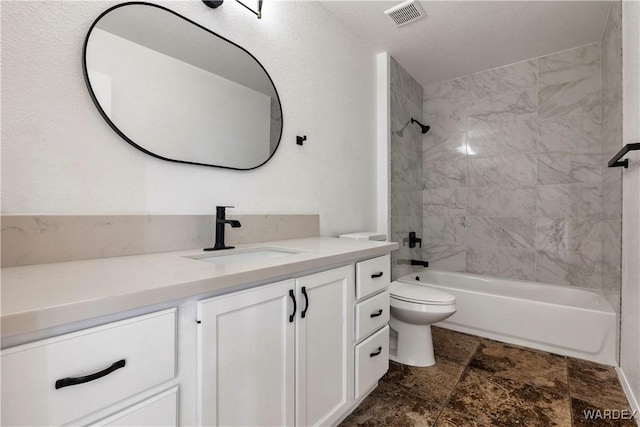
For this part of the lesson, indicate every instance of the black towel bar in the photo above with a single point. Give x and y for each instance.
(616, 162)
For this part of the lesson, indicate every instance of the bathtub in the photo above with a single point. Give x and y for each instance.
(564, 320)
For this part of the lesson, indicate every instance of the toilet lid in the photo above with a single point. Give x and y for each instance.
(420, 294)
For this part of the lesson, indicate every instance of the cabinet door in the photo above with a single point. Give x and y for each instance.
(246, 358)
(324, 363)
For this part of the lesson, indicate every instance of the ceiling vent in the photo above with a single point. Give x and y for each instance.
(406, 12)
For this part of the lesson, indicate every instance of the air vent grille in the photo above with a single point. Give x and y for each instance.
(406, 12)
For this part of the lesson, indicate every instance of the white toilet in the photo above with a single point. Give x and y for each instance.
(414, 308)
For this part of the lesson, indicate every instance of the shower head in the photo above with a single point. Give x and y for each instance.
(424, 128)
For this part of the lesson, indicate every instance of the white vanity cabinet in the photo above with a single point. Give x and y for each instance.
(371, 323)
(80, 375)
(278, 354)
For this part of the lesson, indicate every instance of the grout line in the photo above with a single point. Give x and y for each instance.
(464, 371)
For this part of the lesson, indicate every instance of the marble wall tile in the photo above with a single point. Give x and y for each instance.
(512, 171)
(504, 124)
(501, 262)
(611, 144)
(520, 102)
(404, 91)
(448, 172)
(405, 170)
(569, 201)
(573, 133)
(612, 193)
(406, 162)
(612, 49)
(569, 268)
(582, 235)
(444, 201)
(406, 202)
(611, 122)
(570, 65)
(444, 257)
(444, 107)
(611, 254)
(514, 232)
(498, 201)
(574, 97)
(519, 153)
(454, 91)
(564, 168)
(510, 78)
(437, 148)
(444, 230)
(40, 239)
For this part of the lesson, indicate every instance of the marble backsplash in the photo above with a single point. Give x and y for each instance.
(514, 172)
(40, 239)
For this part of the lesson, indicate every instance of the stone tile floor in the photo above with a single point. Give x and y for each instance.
(480, 382)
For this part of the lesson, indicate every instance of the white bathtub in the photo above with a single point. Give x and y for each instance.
(569, 321)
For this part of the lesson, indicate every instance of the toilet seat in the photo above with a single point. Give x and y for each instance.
(420, 294)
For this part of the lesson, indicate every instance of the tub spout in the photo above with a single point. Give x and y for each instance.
(419, 262)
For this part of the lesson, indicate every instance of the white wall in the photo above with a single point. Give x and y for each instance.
(630, 330)
(59, 156)
(177, 110)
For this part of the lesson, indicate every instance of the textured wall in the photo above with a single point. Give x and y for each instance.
(60, 157)
(406, 167)
(513, 171)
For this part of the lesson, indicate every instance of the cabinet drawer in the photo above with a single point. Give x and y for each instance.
(372, 314)
(159, 410)
(372, 360)
(372, 276)
(31, 372)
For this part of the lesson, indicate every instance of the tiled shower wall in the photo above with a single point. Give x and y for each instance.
(611, 144)
(514, 175)
(406, 166)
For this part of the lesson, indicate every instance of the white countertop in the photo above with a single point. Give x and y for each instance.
(43, 296)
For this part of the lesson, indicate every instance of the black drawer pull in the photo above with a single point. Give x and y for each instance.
(376, 314)
(306, 305)
(295, 306)
(376, 275)
(66, 382)
(375, 353)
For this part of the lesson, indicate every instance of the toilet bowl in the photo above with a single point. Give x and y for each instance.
(413, 309)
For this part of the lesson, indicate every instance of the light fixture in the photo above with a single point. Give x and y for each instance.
(213, 4)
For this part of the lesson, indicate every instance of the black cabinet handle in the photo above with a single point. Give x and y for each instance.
(66, 382)
(376, 314)
(376, 275)
(295, 306)
(375, 353)
(306, 300)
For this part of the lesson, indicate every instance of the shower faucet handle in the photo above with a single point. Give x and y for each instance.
(412, 240)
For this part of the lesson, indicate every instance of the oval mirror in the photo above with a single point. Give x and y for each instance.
(178, 91)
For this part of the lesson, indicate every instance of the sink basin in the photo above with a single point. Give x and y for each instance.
(248, 255)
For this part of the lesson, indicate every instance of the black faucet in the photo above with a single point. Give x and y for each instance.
(220, 222)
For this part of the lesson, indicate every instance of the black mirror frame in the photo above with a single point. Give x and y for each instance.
(125, 137)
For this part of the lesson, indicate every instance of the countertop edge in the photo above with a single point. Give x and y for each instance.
(47, 318)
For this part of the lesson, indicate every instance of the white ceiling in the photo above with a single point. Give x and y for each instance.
(458, 38)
